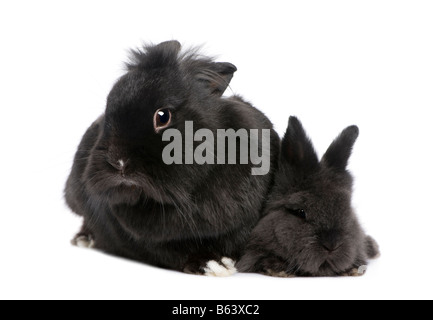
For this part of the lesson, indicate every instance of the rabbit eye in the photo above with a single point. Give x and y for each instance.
(162, 119)
(300, 213)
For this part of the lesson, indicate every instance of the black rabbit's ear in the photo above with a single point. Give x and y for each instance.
(297, 148)
(152, 57)
(216, 77)
(339, 152)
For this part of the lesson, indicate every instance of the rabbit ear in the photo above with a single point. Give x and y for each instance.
(297, 148)
(340, 150)
(155, 56)
(173, 47)
(216, 77)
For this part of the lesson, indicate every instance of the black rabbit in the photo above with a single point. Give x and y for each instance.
(310, 227)
(187, 217)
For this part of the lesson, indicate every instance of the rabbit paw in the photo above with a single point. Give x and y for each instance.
(83, 241)
(356, 272)
(224, 268)
(278, 274)
(210, 266)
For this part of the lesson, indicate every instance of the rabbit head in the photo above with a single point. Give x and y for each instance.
(162, 89)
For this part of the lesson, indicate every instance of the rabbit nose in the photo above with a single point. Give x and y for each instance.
(330, 242)
(121, 165)
(330, 248)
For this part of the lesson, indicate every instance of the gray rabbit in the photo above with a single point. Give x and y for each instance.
(310, 227)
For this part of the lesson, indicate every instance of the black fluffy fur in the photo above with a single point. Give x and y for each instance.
(326, 240)
(178, 216)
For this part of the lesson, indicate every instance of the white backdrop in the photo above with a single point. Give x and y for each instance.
(332, 63)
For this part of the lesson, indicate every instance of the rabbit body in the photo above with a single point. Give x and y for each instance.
(135, 206)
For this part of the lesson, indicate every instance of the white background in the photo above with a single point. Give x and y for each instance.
(332, 63)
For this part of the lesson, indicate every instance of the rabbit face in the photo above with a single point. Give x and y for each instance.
(127, 158)
(317, 226)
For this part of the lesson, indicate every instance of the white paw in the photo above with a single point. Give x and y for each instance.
(362, 270)
(84, 242)
(225, 268)
(356, 272)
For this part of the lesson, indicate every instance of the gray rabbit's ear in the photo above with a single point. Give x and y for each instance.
(174, 47)
(298, 150)
(216, 77)
(339, 152)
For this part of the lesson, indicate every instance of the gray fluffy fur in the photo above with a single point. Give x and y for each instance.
(310, 227)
